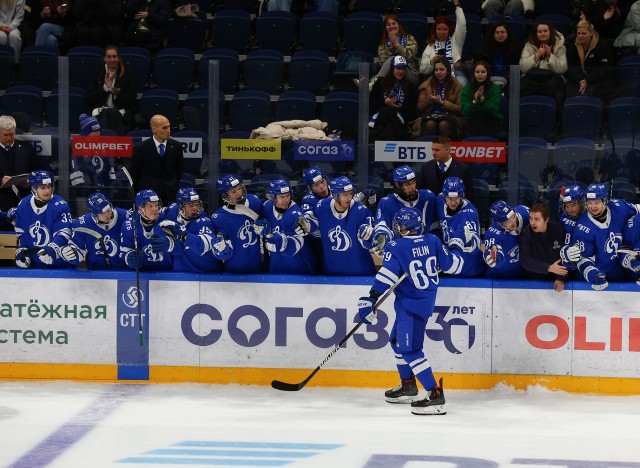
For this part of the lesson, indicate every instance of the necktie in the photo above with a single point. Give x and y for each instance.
(443, 167)
(161, 150)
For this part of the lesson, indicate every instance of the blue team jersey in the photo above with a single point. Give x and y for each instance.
(309, 202)
(100, 253)
(506, 242)
(38, 227)
(631, 234)
(569, 224)
(144, 234)
(297, 258)
(599, 242)
(391, 204)
(453, 234)
(92, 171)
(421, 257)
(343, 253)
(197, 256)
(238, 228)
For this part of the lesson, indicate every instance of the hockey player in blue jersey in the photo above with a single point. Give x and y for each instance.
(501, 251)
(318, 184)
(405, 194)
(96, 236)
(421, 256)
(572, 204)
(43, 225)
(631, 242)
(289, 251)
(598, 235)
(138, 251)
(235, 221)
(346, 230)
(185, 221)
(460, 226)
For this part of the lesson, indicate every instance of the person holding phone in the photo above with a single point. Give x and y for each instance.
(55, 19)
(445, 41)
(480, 103)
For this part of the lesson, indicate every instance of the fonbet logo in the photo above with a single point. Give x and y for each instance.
(131, 296)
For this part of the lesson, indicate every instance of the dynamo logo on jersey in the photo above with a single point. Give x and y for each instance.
(612, 244)
(39, 233)
(247, 234)
(340, 240)
(448, 330)
(110, 245)
(97, 163)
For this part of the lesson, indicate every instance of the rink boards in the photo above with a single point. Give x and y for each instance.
(253, 329)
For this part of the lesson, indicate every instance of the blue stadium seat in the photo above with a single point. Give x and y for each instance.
(623, 116)
(231, 29)
(7, 61)
(249, 109)
(276, 30)
(77, 105)
(309, 71)
(425, 7)
(537, 116)
(625, 190)
(173, 68)
(416, 24)
(319, 31)
(628, 76)
(38, 66)
(160, 101)
(198, 100)
(188, 33)
(137, 61)
(229, 66)
(347, 68)
(528, 192)
(83, 62)
(558, 7)
(532, 159)
(560, 22)
(295, 105)
(362, 31)
(375, 6)
(573, 154)
(264, 70)
(340, 111)
(582, 117)
(24, 98)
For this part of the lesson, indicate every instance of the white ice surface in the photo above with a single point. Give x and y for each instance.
(498, 426)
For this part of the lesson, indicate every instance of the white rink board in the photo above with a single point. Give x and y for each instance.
(90, 340)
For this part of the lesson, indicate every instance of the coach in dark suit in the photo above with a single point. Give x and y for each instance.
(157, 162)
(433, 173)
(16, 157)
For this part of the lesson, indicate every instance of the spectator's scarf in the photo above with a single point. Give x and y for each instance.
(448, 53)
(402, 40)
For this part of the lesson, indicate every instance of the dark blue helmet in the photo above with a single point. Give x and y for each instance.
(147, 196)
(501, 211)
(340, 184)
(403, 174)
(279, 187)
(228, 182)
(572, 193)
(597, 192)
(313, 175)
(453, 187)
(38, 178)
(185, 196)
(407, 221)
(98, 204)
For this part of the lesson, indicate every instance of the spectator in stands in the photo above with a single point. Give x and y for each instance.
(395, 41)
(439, 102)
(604, 15)
(480, 103)
(543, 62)
(96, 22)
(146, 22)
(55, 18)
(393, 103)
(540, 243)
(501, 49)
(111, 95)
(434, 172)
(508, 7)
(16, 158)
(11, 15)
(591, 63)
(630, 34)
(30, 22)
(446, 40)
(157, 162)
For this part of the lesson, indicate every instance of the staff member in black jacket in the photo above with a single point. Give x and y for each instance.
(157, 162)
(434, 172)
(540, 243)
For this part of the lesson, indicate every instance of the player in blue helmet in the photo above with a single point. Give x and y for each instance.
(598, 236)
(420, 256)
(288, 248)
(318, 184)
(501, 251)
(460, 225)
(236, 221)
(96, 235)
(148, 249)
(406, 194)
(43, 224)
(345, 228)
(186, 223)
(572, 205)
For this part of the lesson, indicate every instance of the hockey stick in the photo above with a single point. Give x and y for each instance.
(98, 236)
(293, 387)
(135, 249)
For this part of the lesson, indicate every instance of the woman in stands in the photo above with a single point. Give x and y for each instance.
(480, 103)
(393, 103)
(446, 40)
(146, 23)
(396, 41)
(111, 95)
(501, 49)
(11, 15)
(439, 102)
(591, 65)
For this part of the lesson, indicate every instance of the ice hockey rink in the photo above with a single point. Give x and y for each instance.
(70, 424)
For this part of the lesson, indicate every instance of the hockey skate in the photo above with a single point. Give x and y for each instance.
(405, 392)
(431, 405)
